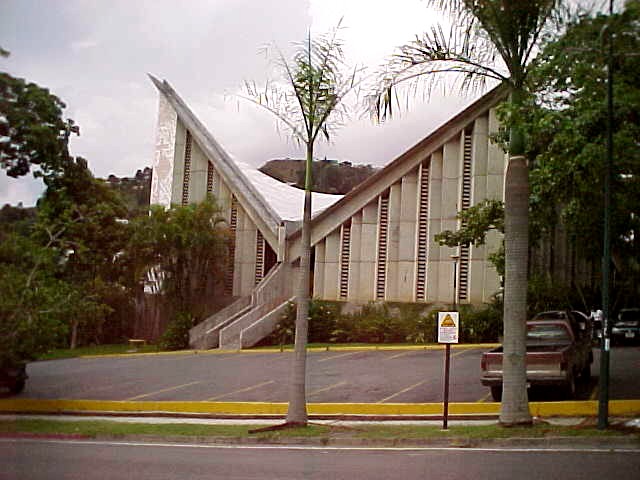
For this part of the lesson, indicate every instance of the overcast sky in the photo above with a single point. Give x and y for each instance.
(95, 55)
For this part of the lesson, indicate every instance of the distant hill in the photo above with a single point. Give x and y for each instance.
(329, 176)
(135, 190)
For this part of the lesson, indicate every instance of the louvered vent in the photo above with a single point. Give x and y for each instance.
(423, 238)
(259, 257)
(345, 248)
(383, 229)
(233, 226)
(210, 178)
(465, 203)
(187, 169)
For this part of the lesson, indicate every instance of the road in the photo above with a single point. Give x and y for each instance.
(334, 376)
(29, 459)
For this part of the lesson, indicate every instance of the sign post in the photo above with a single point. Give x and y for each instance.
(448, 328)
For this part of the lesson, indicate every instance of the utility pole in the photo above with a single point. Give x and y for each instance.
(603, 399)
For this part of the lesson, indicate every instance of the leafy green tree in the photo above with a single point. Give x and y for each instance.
(496, 40)
(567, 128)
(186, 249)
(309, 103)
(93, 217)
(32, 131)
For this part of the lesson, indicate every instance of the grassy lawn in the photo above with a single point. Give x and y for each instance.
(321, 432)
(96, 350)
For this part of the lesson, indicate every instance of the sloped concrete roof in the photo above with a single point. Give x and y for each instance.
(273, 201)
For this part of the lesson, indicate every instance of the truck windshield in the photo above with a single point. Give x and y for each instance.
(547, 333)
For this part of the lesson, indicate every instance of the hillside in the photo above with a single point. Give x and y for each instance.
(329, 176)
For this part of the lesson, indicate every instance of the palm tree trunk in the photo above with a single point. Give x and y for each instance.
(515, 403)
(297, 412)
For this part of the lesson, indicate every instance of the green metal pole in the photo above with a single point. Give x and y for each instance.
(603, 399)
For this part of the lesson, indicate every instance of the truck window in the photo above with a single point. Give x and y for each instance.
(547, 333)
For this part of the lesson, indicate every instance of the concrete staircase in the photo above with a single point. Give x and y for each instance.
(249, 319)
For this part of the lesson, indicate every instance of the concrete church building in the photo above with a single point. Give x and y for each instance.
(374, 244)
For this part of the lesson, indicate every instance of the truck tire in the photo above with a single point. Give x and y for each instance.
(496, 393)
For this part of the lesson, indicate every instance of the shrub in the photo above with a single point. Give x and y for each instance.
(176, 336)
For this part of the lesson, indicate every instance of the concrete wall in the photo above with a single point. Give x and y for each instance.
(445, 179)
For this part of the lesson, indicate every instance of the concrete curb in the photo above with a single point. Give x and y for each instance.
(610, 443)
(622, 408)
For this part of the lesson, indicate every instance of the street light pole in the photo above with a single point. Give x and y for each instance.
(603, 398)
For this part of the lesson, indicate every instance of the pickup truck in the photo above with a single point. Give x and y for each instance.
(558, 354)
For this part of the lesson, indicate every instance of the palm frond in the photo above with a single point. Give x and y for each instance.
(308, 99)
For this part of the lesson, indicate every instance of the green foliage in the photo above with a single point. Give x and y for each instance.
(176, 336)
(35, 305)
(31, 122)
(187, 246)
(385, 323)
(568, 128)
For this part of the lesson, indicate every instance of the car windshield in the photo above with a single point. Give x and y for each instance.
(547, 333)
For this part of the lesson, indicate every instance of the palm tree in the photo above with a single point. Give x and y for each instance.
(489, 39)
(307, 102)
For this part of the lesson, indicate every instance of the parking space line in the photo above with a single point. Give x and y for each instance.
(144, 395)
(400, 355)
(401, 392)
(485, 398)
(242, 390)
(462, 351)
(594, 394)
(338, 356)
(335, 385)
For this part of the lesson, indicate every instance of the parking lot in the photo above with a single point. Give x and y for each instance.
(394, 376)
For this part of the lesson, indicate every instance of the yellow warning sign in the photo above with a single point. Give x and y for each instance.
(448, 321)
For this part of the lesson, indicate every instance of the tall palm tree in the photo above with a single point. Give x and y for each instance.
(489, 39)
(308, 101)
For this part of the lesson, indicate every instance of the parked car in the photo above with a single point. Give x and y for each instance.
(627, 326)
(13, 375)
(558, 354)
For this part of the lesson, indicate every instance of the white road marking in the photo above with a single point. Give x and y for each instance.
(322, 448)
(144, 395)
(247, 389)
(401, 392)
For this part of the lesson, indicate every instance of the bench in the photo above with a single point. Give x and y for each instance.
(134, 343)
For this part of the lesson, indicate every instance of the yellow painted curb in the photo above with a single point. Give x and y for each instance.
(461, 346)
(538, 409)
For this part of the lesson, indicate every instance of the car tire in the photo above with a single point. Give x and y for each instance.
(17, 387)
(496, 393)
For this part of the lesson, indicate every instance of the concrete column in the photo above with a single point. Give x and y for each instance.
(368, 248)
(434, 226)
(393, 244)
(407, 243)
(496, 162)
(354, 257)
(450, 198)
(332, 265)
(318, 270)
(178, 165)
(199, 170)
(477, 255)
